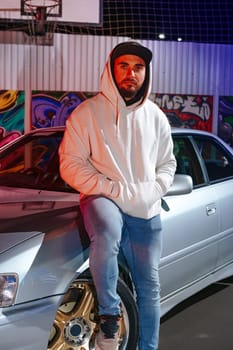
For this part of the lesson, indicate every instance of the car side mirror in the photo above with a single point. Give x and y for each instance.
(182, 184)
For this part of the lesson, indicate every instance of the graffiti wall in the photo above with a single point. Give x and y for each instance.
(187, 111)
(12, 104)
(225, 119)
(53, 108)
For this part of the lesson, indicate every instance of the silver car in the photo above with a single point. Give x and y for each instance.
(47, 297)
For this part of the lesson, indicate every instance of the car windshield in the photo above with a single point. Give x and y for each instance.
(33, 163)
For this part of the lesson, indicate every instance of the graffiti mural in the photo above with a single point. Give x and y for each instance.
(12, 104)
(186, 111)
(225, 119)
(53, 108)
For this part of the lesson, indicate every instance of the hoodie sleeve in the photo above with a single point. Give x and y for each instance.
(166, 163)
(75, 166)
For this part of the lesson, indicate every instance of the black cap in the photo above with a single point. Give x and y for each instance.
(132, 48)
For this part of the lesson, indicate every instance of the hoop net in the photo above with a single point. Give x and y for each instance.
(206, 21)
(40, 29)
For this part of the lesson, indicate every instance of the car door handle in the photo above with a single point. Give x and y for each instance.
(210, 209)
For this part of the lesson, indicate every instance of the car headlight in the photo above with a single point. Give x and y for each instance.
(8, 288)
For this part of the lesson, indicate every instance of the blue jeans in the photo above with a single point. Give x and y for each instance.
(140, 241)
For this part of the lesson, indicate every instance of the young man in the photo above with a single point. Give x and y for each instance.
(118, 152)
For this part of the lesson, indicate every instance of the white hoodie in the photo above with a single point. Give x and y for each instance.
(124, 153)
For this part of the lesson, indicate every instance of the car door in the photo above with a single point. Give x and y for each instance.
(219, 165)
(190, 228)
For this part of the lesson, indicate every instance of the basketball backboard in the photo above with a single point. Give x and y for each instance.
(69, 12)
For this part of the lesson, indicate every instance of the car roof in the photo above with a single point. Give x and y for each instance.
(189, 131)
(174, 130)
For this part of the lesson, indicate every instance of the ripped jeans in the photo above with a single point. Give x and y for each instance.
(110, 230)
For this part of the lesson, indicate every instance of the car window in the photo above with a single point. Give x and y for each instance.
(187, 161)
(219, 164)
(34, 164)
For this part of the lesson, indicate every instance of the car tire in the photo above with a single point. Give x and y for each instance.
(76, 321)
(130, 313)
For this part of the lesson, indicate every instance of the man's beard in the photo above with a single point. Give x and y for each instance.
(127, 93)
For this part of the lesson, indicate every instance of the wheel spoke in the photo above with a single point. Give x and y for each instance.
(86, 305)
(78, 306)
(61, 317)
(59, 343)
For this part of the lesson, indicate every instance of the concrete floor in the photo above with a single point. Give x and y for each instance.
(204, 322)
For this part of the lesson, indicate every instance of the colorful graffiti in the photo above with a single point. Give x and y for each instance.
(186, 111)
(12, 104)
(7, 136)
(53, 108)
(225, 119)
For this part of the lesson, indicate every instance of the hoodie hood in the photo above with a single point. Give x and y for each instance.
(108, 85)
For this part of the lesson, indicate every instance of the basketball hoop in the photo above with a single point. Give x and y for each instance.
(40, 30)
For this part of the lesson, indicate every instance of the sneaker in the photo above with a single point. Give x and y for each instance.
(107, 336)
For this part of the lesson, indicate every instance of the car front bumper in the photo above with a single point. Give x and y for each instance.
(27, 326)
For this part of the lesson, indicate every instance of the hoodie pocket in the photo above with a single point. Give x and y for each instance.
(137, 199)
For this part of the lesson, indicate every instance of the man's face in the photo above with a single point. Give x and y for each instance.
(129, 73)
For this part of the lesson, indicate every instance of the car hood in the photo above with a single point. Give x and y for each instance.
(26, 213)
(9, 241)
(42, 239)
